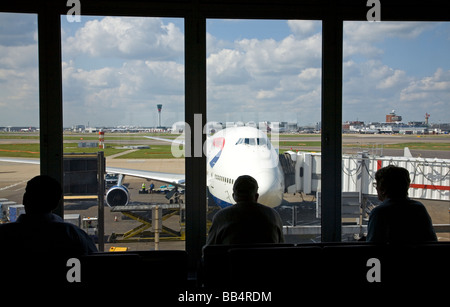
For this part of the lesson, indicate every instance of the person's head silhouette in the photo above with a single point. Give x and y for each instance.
(392, 182)
(245, 188)
(42, 195)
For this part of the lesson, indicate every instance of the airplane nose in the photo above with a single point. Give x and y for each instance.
(264, 185)
(269, 188)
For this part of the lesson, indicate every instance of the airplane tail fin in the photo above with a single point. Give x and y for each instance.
(407, 152)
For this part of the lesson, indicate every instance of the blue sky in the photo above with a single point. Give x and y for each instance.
(420, 55)
(115, 70)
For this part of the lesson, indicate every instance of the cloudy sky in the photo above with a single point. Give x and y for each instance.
(116, 70)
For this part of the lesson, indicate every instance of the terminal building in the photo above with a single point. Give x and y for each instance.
(392, 125)
(393, 118)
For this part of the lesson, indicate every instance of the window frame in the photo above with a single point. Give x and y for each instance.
(195, 13)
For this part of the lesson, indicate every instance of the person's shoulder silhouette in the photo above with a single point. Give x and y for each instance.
(39, 230)
(247, 221)
(398, 219)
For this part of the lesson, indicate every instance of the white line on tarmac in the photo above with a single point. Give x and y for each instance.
(13, 185)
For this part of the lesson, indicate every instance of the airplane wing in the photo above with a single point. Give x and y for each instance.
(171, 178)
(19, 160)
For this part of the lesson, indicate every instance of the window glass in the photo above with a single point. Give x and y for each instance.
(263, 88)
(396, 97)
(19, 109)
(123, 81)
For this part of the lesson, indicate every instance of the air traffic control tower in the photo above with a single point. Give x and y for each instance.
(159, 106)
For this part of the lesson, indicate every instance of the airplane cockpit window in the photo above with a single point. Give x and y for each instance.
(261, 141)
(253, 142)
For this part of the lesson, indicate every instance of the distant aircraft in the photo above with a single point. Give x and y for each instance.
(231, 152)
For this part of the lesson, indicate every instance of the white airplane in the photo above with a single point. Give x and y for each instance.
(237, 151)
(231, 152)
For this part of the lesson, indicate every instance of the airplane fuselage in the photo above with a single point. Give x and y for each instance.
(237, 151)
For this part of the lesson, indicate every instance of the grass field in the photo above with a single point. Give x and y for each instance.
(299, 143)
(13, 146)
(155, 152)
(19, 150)
(33, 151)
(417, 145)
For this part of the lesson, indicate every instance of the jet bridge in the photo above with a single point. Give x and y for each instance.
(430, 178)
(288, 167)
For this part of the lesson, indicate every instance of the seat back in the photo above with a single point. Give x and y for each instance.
(275, 268)
(215, 263)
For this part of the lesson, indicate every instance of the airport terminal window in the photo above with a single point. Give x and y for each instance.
(266, 75)
(19, 109)
(279, 66)
(123, 81)
(396, 85)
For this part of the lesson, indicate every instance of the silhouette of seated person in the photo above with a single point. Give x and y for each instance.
(39, 231)
(247, 221)
(398, 219)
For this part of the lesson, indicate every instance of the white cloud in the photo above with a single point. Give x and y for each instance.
(129, 92)
(18, 57)
(19, 97)
(377, 31)
(392, 79)
(19, 94)
(18, 29)
(227, 67)
(128, 66)
(262, 94)
(360, 37)
(371, 89)
(432, 90)
(287, 56)
(116, 70)
(127, 37)
(302, 27)
(265, 79)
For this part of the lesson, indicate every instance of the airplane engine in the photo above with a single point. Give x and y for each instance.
(117, 196)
